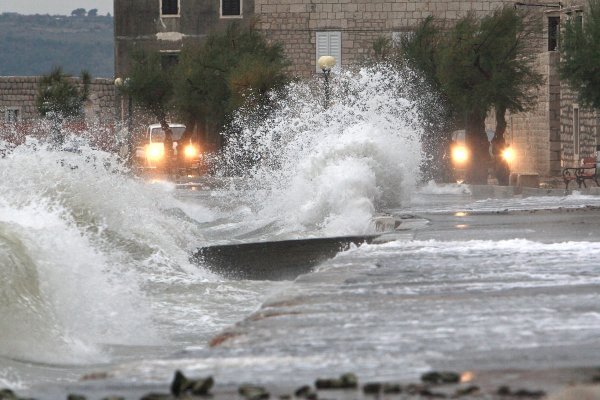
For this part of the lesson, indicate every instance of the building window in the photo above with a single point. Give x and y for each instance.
(329, 44)
(553, 33)
(169, 7)
(169, 60)
(12, 115)
(576, 128)
(231, 8)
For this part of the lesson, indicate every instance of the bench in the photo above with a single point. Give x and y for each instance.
(586, 171)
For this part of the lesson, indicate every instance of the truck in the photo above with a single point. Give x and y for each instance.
(151, 155)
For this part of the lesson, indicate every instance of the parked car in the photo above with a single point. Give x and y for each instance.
(151, 155)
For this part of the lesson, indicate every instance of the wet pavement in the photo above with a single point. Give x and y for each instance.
(490, 286)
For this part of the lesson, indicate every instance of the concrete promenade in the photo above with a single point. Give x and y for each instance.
(495, 191)
(501, 288)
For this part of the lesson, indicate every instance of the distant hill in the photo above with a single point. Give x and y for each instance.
(33, 44)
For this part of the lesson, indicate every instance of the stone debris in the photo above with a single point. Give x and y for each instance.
(76, 397)
(520, 393)
(252, 392)
(185, 388)
(198, 387)
(436, 378)
(381, 388)
(7, 394)
(346, 381)
(303, 391)
(467, 391)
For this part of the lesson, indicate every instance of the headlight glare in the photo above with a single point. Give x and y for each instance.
(155, 151)
(460, 154)
(190, 151)
(508, 155)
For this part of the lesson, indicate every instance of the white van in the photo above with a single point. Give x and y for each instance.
(150, 154)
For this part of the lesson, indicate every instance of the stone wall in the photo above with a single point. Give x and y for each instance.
(20, 93)
(295, 23)
(589, 129)
(535, 134)
(589, 120)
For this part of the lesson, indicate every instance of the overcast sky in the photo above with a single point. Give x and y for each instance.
(62, 7)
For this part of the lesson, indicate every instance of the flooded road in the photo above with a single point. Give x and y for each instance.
(97, 277)
(486, 291)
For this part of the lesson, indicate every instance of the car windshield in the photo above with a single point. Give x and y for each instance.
(460, 135)
(158, 135)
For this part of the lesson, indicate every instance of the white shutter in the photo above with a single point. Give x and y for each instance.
(322, 47)
(329, 44)
(335, 47)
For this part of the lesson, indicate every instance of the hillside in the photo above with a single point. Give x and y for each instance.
(33, 44)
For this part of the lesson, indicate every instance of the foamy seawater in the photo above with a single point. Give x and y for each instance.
(396, 310)
(95, 262)
(96, 271)
(95, 267)
(328, 171)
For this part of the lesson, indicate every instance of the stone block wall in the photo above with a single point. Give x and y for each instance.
(589, 120)
(535, 134)
(20, 92)
(295, 23)
(589, 129)
(553, 98)
(103, 100)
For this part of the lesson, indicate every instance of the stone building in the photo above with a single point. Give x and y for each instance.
(18, 99)
(19, 117)
(579, 126)
(167, 25)
(554, 134)
(347, 28)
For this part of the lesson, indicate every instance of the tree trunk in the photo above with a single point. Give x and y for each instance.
(477, 143)
(501, 167)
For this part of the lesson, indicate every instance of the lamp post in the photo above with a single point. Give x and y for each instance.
(123, 86)
(326, 63)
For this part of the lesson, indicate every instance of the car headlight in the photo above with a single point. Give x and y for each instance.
(155, 151)
(508, 155)
(460, 154)
(190, 151)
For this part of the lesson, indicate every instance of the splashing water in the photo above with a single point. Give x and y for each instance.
(57, 306)
(78, 241)
(92, 259)
(330, 170)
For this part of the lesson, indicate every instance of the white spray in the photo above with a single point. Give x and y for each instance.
(329, 170)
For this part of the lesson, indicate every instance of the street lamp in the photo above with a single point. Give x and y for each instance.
(123, 86)
(326, 63)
